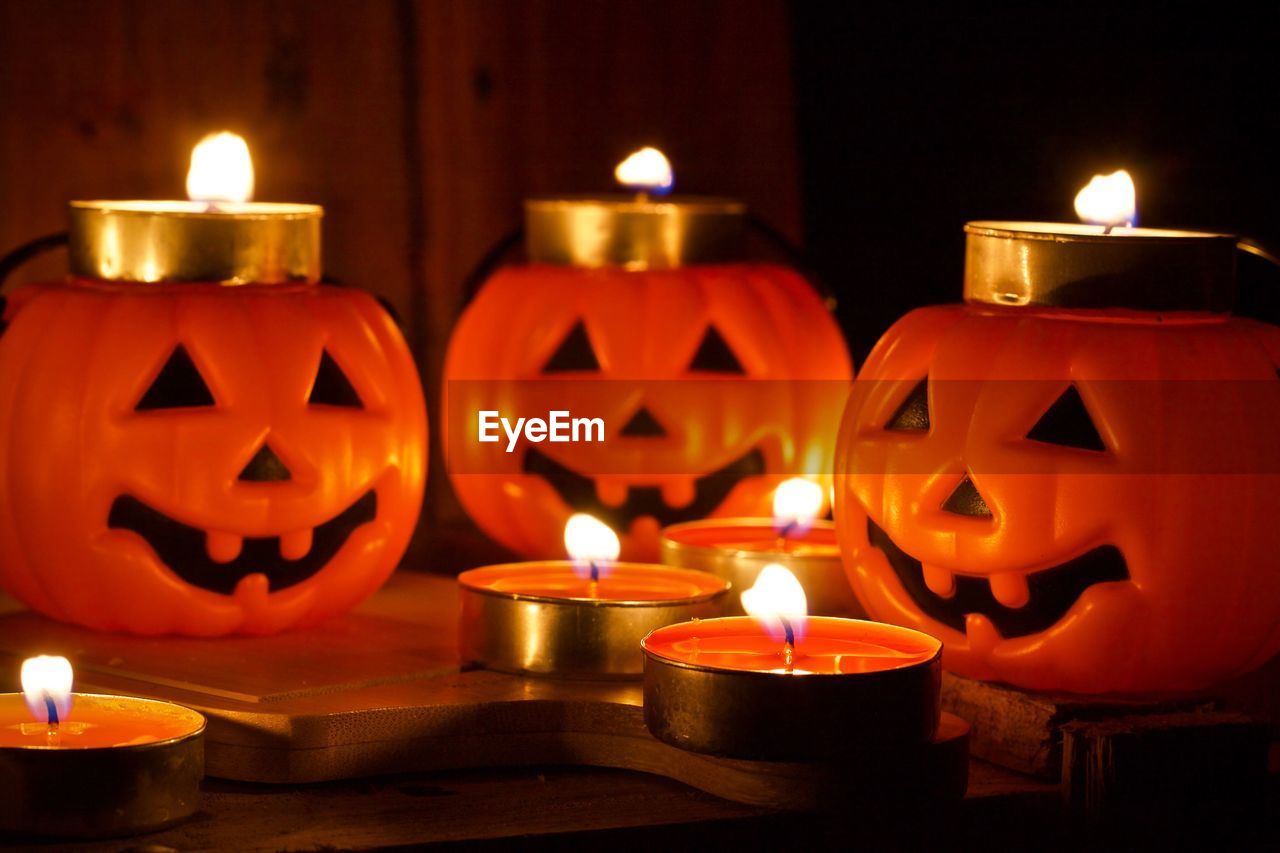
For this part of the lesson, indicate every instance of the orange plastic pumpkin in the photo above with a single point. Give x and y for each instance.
(1069, 500)
(199, 459)
(687, 436)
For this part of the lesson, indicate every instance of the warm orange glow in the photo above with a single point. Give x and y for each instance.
(796, 503)
(775, 599)
(221, 169)
(646, 170)
(46, 679)
(1108, 200)
(588, 539)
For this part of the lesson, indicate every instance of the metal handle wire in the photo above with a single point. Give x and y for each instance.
(27, 251)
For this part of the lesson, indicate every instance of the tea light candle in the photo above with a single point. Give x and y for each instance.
(738, 548)
(781, 686)
(218, 235)
(1100, 264)
(86, 765)
(582, 617)
(648, 229)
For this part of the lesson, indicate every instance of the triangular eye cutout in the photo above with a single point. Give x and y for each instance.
(966, 500)
(573, 354)
(913, 414)
(178, 386)
(1067, 423)
(714, 355)
(332, 387)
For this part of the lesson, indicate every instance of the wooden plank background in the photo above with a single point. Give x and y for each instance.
(419, 126)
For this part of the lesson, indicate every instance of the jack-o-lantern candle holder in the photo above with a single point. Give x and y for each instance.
(1072, 478)
(698, 363)
(196, 437)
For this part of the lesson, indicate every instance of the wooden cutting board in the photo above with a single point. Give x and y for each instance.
(379, 691)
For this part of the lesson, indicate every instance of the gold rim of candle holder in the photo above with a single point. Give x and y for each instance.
(1022, 264)
(634, 232)
(566, 638)
(103, 792)
(768, 716)
(826, 586)
(143, 241)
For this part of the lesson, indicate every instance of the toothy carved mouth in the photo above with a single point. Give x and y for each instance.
(1053, 591)
(579, 492)
(183, 549)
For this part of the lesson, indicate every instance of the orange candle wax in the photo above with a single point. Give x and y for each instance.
(618, 582)
(819, 540)
(111, 766)
(728, 686)
(550, 618)
(96, 722)
(824, 646)
(738, 548)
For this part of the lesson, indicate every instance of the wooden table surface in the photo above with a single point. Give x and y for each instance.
(578, 806)
(554, 804)
(515, 805)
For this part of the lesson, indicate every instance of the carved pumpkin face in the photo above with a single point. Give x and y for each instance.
(1069, 503)
(204, 460)
(663, 357)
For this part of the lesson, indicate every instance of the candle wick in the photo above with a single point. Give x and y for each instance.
(1107, 229)
(789, 644)
(785, 533)
(595, 571)
(51, 712)
(642, 197)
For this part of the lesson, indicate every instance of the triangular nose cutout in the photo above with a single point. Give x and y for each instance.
(265, 467)
(966, 500)
(643, 425)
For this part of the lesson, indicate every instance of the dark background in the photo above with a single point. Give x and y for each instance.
(915, 119)
(869, 132)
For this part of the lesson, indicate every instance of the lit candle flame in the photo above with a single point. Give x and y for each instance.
(591, 543)
(46, 687)
(1108, 200)
(646, 171)
(796, 504)
(221, 169)
(777, 601)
